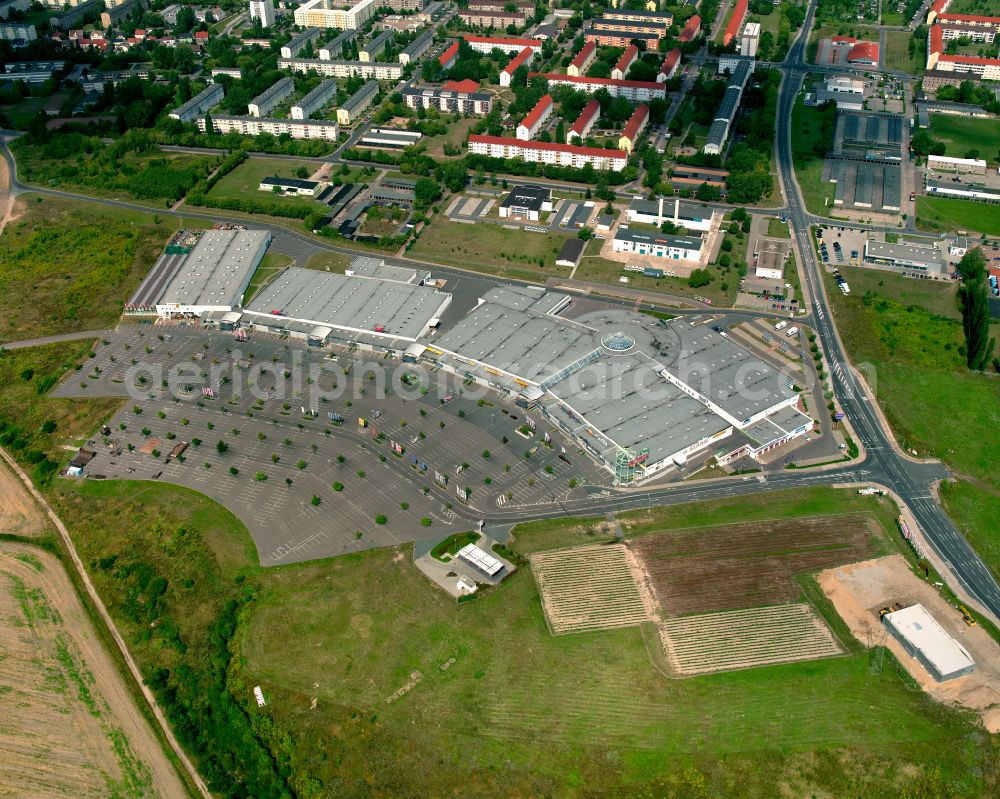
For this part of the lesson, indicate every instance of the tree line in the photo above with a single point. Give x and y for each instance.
(974, 298)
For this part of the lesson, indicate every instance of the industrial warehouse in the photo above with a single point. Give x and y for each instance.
(199, 273)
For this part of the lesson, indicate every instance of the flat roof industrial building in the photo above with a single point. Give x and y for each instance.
(215, 274)
(905, 255)
(640, 394)
(926, 640)
(386, 309)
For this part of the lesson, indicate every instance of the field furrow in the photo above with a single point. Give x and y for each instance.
(588, 588)
(747, 638)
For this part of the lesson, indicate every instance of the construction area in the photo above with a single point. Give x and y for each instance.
(860, 591)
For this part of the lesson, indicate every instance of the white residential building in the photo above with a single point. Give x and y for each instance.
(637, 91)
(262, 104)
(262, 10)
(487, 44)
(378, 70)
(253, 126)
(536, 118)
(554, 153)
(750, 39)
(334, 14)
(521, 59)
(204, 101)
(315, 100)
(297, 43)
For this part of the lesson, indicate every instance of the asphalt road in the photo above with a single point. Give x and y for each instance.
(911, 480)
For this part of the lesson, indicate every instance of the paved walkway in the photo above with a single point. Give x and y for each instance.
(40, 342)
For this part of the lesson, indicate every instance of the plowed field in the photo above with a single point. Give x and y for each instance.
(69, 727)
(588, 588)
(747, 565)
(742, 639)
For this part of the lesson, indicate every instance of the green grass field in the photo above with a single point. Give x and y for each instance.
(777, 229)
(817, 195)
(560, 712)
(328, 261)
(243, 183)
(67, 265)
(961, 134)
(938, 297)
(934, 404)
(490, 248)
(455, 135)
(271, 264)
(941, 214)
(897, 50)
(568, 715)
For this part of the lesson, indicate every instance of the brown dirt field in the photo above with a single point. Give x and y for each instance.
(18, 512)
(746, 565)
(76, 730)
(858, 591)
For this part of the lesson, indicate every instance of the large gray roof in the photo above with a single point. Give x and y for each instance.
(640, 411)
(327, 298)
(616, 371)
(217, 268)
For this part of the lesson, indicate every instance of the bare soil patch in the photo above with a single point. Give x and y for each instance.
(859, 590)
(18, 512)
(748, 565)
(76, 730)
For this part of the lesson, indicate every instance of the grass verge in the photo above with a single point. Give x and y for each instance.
(975, 508)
